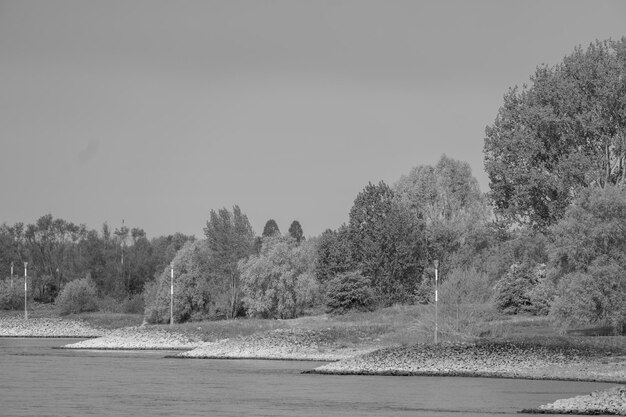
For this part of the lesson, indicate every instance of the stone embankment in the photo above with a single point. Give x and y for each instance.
(139, 338)
(283, 344)
(608, 402)
(46, 327)
(489, 359)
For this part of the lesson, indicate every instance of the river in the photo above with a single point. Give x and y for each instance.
(37, 380)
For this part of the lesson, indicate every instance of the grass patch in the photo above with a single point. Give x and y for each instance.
(108, 320)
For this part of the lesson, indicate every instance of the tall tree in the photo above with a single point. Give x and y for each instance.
(230, 238)
(295, 231)
(589, 257)
(386, 243)
(271, 228)
(564, 132)
(334, 255)
(279, 282)
(449, 201)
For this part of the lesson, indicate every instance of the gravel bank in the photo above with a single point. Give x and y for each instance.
(139, 338)
(46, 327)
(489, 359)
(611, 402)
(284, 344)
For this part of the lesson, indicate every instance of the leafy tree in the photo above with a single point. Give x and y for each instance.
(467, 291)
(386, 243)
(563, 133)
(279, 282)
(589, 258)
(77, 296)
(350, 291)
(11, 295)
(334, 255)
(196, 293)
(164, 249)
(295, 231)
(597, 296)
(230, 238)
(271, 228)
(515, 292)
(449, 201)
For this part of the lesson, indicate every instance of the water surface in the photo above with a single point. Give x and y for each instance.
(37, 380)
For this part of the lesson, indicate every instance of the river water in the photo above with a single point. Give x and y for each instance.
(37, 380)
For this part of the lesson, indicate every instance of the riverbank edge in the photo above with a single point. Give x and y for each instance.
(255, 358)
(496, 375)
(48, 337)
(570, 412)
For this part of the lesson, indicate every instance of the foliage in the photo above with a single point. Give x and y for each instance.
(597, 296)
(447, 198)
(194, 291)
(229, 238)
(334, 255)
(513, 293)
(271, 228)
(77, 296)
(279, 282)
(350, 291)
(465, 286)
(11, 294)
(58, 251)
(295, 231)
(386, 243)
(563, 133)
(464, 299)
(589, 259)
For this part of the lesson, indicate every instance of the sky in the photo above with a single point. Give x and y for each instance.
(157, 112)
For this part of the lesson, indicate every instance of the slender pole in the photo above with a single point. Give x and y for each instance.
(11, 276)
(25, 290)
(171, 295)
(436, 299)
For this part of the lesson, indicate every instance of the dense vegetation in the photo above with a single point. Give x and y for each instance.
(548, 239)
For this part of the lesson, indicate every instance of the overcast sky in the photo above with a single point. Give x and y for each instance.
(157, 112)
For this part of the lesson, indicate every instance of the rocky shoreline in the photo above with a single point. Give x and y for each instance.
(47, 328)
(607, 402)
(500, 359)
(280, 344)
(139, 338)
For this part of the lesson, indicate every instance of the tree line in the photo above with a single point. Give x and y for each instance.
(548, 238)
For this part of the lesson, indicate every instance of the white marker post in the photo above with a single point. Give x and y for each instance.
(172, 295)
(436, 262)
(11, 276)
(25, 290)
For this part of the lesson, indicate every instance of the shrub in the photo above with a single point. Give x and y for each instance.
(597, 296)
(464, 299)
(198, 290)
(350, 291)
(77, 296)
(279, 282)
(515, 292)
(11, 296)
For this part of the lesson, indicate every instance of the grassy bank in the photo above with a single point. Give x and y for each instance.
(393, 326)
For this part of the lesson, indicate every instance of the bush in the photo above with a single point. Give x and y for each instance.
(597, 296)
(198, 292)
(77, 296)
(279, 282)
(11, 296)
(464, 300)
(350, 291)
(515, 292)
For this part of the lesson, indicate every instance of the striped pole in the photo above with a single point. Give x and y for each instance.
(25, 290)
(171, 295)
